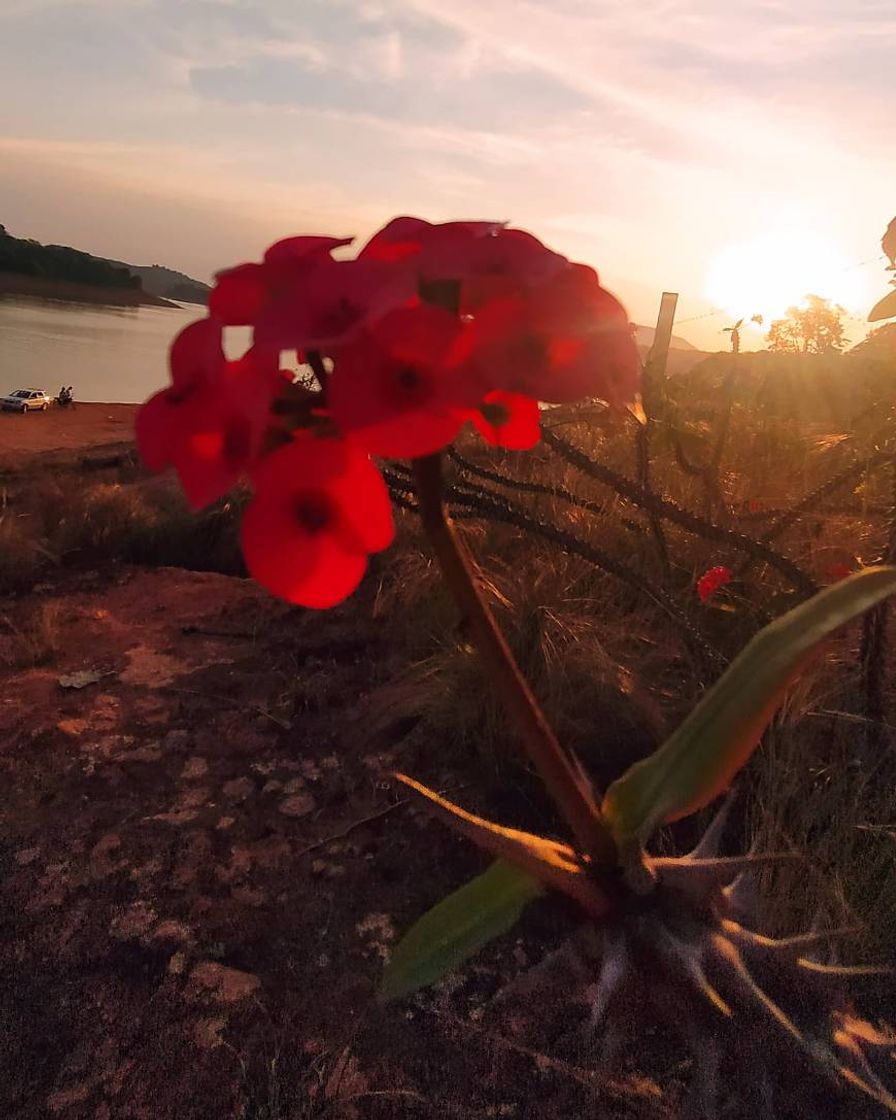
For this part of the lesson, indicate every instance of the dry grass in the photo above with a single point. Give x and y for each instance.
(34, 643)
(67, 517)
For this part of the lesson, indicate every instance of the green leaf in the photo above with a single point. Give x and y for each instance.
(457, 927)
(884, 308)
(699, 760)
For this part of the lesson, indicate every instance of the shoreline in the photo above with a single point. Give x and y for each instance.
(21, 284)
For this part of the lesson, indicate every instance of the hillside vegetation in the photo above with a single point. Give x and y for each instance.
(60, 262)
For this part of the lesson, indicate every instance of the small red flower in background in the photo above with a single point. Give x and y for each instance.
(565, 340)
(508, 420)
(394, 387)
(710, 582)
(320, 507)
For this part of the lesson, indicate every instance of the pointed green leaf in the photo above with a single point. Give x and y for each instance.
(884, 308)
(718, 737)
(457, 927)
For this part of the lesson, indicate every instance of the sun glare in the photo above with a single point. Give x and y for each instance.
(776, 270)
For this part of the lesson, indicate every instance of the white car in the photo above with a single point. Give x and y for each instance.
(25, 400)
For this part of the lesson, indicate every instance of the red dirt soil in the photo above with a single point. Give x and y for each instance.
(85, 426)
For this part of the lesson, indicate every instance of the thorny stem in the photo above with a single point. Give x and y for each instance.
(568, 789)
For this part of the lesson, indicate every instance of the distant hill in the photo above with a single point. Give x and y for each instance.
(24, 257)
(644, 336)
(60, 271)
(165, 282)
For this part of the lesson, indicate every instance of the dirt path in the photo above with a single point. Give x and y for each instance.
(85, 427)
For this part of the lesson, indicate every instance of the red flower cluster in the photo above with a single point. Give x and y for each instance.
(710, 582)
(427, 328)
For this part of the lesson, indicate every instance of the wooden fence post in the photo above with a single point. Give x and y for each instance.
(659, 352)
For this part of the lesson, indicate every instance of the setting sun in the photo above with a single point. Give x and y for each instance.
(776, 270)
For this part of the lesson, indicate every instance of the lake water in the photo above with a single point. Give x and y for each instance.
(107, 353)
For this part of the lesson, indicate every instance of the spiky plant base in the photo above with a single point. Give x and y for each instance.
(771, 1028)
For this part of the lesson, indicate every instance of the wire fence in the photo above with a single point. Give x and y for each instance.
(484, 492)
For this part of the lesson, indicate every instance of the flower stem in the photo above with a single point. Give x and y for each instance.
(569, 789)
(316, 362)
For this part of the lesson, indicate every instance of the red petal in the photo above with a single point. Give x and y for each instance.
(407, 436)
(154, 429)
(396, 241)
(364, 499)
(370, 399)
(217, 432)
(330, 302)
(519, 431)
(211, 457)
(510, 261)
(710, 582)
(306, 461)
(300, 248)
(419, 335)
(321, 567)
(566, 340)
(310, 569)
(196, 354)
(239, 294)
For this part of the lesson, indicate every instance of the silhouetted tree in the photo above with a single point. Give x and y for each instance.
(816, 328)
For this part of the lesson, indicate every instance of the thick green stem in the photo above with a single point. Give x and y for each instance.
(567, 787)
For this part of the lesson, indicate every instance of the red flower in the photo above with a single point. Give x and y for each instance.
(240, 293)
(508, 420)
(394, 386)
(320, 507)
(195, 359)
(406, 237)
(565, 340)
(332, 300)
(211, 421)
(486, 259)
(710, 582)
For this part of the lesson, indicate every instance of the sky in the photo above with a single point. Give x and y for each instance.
(723, 151)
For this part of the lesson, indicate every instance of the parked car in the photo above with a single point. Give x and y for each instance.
(25, 400)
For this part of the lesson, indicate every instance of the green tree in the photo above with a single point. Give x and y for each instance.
(816, 328)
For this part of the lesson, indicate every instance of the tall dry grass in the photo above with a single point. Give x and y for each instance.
(67, 517)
